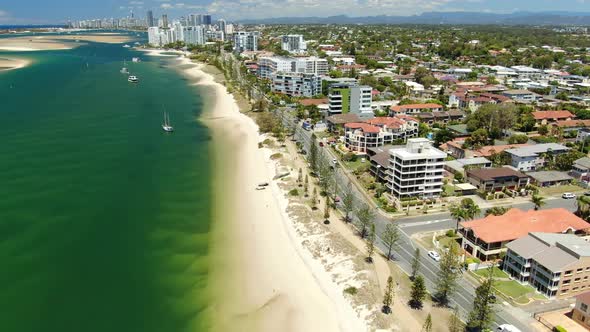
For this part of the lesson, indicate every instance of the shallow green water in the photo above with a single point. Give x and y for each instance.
(104, 219)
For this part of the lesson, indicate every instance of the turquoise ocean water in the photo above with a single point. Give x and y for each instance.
(104, 218)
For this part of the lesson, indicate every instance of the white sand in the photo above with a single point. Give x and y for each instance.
(160, 52)
(12, 63)
(281, 287)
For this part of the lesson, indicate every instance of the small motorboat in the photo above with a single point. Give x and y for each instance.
(133, 79)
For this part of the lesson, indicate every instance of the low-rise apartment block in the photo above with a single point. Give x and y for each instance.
(350, 98)
(497, 179)
(376, 132)
(415, 109)
(416, 170)
(581, 313)
(532, 157)
(557, 265)
(547, 117)
(296, 85)
(270, 65)
(487, 238)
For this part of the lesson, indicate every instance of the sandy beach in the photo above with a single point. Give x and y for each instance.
(61, 42)
(11, 63)
(267, 281)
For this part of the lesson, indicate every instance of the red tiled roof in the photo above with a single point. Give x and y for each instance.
(308, 102)
(365, 127)
(486, 151)
(412, 106)
(540, 115)
(516, 223)
(572, 123)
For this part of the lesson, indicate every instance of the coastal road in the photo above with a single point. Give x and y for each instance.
(403, 254)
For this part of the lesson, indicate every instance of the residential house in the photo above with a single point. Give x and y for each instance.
(415, 109)
(556, 264)
(486, 238)
(533, 157)
(580, 313)
(358, 136)
(440, 117)
(521, 96)
(401, 126)
(547, 117)
(337, 121)
(497, 179)
(460, 165)
(416, 170)
(581, 169)
(549, 178)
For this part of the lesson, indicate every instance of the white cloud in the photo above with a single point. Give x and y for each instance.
(165, 6)
(136, 3)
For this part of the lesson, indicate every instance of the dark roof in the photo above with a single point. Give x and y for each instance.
(343, 118)
(381, 158)
(488, 174)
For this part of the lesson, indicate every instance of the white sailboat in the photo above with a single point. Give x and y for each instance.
(166, 125)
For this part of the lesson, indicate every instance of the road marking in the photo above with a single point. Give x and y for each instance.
(422, 223)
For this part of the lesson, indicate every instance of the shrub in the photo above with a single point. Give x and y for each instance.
(294, 192)
(349, 156)
(350, 290)
(450, 233)
(260, 145)
(276, 156)
(267, 141)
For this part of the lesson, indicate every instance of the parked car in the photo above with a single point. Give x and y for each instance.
(568, 196)
(260, 188)
(434, 255)
(321, 144)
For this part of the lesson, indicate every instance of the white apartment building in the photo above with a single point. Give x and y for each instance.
(192, 35)
(268, 66)
(416, 170)
(531, 158)
(293, 43)
(297, 85)
(350, 98)
(246, 41)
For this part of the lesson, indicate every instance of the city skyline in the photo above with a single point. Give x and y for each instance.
(32, 12)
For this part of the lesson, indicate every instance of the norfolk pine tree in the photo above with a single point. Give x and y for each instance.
(327, 209)
(482, 314)
(348, 202)
(415, 263)
(365, 216)
(371, 243)
(418, 292)
(390, 238)
(455, 323)
(427, 327)
(300, 178)
(306, 186)
(388, 298)
(448, 273)
(313, 155)
(314, 199)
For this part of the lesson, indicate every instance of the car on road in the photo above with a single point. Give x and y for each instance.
(507, 328)
(260, 188)
(568, 196)
(335, 161)
(321, 144)
(434, 255)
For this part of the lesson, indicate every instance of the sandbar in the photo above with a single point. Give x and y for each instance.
(11, 63)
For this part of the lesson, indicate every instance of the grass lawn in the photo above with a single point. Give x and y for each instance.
(445, 240)
(449, 189)
(354, 165)
(560, 189)
(496, 272)
(513, 289)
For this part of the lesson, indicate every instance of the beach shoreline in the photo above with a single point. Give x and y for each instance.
(57, 42)
(13, 63)
(264, 280)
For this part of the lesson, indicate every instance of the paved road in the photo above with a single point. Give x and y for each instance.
(463, 298)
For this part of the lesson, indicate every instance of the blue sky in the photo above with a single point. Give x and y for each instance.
(57, 11)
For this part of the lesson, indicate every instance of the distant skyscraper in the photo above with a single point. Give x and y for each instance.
(246, 41)
(192, 20)
(150, 19)
(221, 25)
(165, 21)
(206, 20)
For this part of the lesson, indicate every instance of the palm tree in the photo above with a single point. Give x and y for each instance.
(471, 211)
(458, 213)
(538, 201)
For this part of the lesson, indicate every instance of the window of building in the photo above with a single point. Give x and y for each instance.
(575, 289)
(577, 280)
(580, 270)
(567, 273)
(583, 307)
(566, 282)
(565, 290)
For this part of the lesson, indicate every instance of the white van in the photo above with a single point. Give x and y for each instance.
(508, 328)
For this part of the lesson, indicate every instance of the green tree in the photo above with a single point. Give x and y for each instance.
(478, 138)
(481, 316)
(458, 213)
(415, 264)
(365, 216)
(314, 199)
(427, 327)
(390, 237)
(495, 118)
(543, 130)
(471, 209)
(538, 201)
(448, 273)
(300, 178)
(388, 297)
(313, 155)
(371, 243)
(306, 186)
(327, 209)
(348, 202)
(496, 211)
(518, 139)
(564, 161)
(418, 292)
(455, 323)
